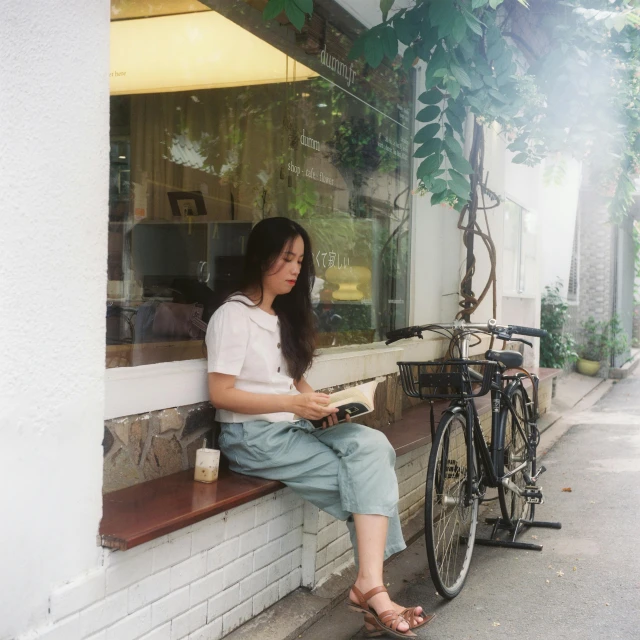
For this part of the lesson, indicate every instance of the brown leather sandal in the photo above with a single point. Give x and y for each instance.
(408, 614)
(387, 621)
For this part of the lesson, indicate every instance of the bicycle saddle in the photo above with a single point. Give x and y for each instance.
(510, 359)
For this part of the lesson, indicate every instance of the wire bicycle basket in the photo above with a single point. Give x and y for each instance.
(446, 379)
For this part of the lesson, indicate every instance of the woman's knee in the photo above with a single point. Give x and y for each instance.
(375, 444)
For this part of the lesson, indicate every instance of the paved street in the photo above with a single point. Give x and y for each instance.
(585, 584)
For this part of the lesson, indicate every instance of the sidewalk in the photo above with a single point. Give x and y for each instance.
(298, 613)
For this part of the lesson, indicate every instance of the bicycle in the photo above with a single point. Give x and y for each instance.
(461, 465)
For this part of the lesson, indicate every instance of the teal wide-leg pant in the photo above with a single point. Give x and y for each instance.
(345, 469)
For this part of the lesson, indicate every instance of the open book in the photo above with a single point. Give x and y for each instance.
(354, 401)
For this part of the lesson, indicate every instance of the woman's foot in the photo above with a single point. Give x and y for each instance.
(379, 603)
(417, 616)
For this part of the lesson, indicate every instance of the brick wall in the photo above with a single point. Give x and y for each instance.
(596, 259)
(199, 583)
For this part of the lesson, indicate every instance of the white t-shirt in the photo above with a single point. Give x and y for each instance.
(244, 341)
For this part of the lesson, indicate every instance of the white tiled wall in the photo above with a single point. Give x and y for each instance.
(198, 583)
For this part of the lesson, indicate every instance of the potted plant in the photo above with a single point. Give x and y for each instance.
(600, 340)
(557, 349)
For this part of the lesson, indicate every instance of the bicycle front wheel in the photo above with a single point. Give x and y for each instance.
(450, 523)
(518, 459)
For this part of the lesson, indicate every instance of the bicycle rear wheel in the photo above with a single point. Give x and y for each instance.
(518, 453)
(450, 525)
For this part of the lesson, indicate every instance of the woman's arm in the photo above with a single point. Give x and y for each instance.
(303, 386)
(224, 395)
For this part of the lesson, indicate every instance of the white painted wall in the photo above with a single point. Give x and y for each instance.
(558, 211)
(53, 244)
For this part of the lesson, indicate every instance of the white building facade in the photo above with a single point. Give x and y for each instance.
(95, 216)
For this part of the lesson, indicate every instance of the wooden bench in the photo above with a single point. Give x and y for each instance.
(146, 511)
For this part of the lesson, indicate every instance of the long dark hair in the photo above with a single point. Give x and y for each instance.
(297, 325)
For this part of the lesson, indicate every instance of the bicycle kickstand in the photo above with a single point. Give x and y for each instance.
(499, 524)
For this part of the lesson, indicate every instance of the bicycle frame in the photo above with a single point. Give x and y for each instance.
(488, 453)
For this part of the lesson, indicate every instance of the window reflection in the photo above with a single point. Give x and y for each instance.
(192, 169)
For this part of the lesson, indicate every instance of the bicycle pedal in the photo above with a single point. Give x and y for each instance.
(533, 494)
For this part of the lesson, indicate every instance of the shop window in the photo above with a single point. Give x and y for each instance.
(519, 253)
(218, 121)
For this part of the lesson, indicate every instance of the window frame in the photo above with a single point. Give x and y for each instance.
(134, 390)
(521, 291)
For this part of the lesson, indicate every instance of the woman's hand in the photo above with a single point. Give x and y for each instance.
(312, 406)
(333, 419)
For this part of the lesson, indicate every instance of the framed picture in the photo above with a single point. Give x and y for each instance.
(187, 203)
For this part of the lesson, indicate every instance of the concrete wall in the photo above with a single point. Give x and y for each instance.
(53, 244)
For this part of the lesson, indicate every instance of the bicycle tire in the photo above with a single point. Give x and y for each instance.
(514, 453)
(450, 527)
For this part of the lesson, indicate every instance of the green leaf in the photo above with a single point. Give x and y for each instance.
(405, 29)
(389, 42)
(428, 148)
(518, 145)
(460, 75)
(385, 7)
(502, 64)
(431, 97)
(453, 145)
(427, 133)
(357, 48)
(459, 29)
(438, 60)
(430, 39)
(438, 186)
(459, 163)
(498, 96)
(472, 22)
(494, 4)
(294, 13)
(475, 4)
(461, 189)
(440, 11)
(453, 87)
(439, 197)
(273, 9)
(454, 121)
(428, 166)
(373, 51)
(408, 58)
(306, 6)
(458, 108)
(428, 114)
(442, 14)
(459, 178)
(460, 204)
(521, 158)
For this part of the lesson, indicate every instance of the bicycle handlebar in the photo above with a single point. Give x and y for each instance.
(503, 332)
(529, 331)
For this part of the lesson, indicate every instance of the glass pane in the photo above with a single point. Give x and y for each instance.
(200, 152)
(529, 250)
(512, 243)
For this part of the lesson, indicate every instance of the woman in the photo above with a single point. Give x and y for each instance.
(260, 343)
